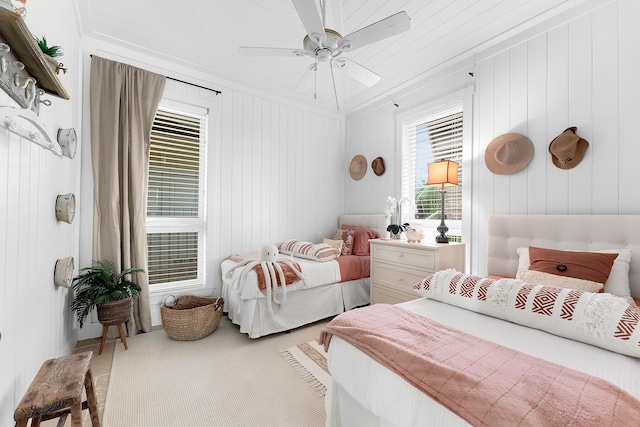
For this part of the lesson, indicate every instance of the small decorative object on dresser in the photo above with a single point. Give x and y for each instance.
(414, 235)
(396, 266)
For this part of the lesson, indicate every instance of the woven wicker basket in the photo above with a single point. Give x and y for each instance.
(191, 318)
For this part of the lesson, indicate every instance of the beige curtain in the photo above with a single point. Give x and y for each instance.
(124, 100)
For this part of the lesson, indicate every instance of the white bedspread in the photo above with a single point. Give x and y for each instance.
(364, 393)
(316, 273)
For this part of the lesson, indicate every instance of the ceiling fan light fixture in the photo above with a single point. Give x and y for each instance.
(324, 55)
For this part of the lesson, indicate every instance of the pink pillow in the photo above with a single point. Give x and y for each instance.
(360, 238)
(591, 266)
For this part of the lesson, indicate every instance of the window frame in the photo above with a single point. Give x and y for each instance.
(462, 98)
(157, 225)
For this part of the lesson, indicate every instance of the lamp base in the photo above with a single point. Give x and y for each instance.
(442, 229)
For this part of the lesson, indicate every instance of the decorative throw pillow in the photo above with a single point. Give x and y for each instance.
(308, 250)
(581, 265)
(347, 237)
(336, 244)
(361, 238)
(541, 278)
(599, 319)
(618, 281)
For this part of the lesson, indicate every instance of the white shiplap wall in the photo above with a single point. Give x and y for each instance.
(276, 170)
(578, 72)
(35, 321)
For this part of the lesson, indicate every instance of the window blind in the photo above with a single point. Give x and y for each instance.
(174, 199)
(428, 139)
(174, 165)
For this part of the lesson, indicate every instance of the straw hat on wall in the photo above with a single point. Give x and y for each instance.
(508, 153)
(567, 149)
(358, 167)
(377, 166)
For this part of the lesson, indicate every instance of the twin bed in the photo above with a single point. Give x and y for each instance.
(542, 324)
(322, 295)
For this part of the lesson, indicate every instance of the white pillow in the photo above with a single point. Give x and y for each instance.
(336, 244)
(599, 319)
(618, 281)
(542, 278)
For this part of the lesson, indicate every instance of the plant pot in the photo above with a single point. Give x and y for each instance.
(114, 313)
(395, 235)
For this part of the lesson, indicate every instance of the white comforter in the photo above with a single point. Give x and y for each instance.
(316, 274)
(366, 394)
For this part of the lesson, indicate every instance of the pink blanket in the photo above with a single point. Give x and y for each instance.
(484, 383)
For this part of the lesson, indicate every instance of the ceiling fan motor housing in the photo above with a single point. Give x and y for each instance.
(328, 49)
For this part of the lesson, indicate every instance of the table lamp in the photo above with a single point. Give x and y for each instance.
(444, 172)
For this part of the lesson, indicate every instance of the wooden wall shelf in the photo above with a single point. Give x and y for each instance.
(15, 33)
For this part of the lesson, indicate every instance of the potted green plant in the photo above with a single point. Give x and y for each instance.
(51, 51)
(99, 286)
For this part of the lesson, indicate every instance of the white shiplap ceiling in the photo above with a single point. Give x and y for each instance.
(206, 34)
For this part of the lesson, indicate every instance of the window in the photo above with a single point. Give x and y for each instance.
(175, 198)
(430, 135)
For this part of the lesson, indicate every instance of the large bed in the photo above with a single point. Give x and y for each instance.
(366, 393)
(322, 296)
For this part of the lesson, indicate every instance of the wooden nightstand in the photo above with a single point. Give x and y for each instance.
(396, 266)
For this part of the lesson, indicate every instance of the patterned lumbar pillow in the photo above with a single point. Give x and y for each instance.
(599, 319)
(308, 250)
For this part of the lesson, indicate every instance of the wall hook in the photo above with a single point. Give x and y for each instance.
(10, 117)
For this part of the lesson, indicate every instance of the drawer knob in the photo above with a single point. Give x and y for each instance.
(400, 255)
(399, 279)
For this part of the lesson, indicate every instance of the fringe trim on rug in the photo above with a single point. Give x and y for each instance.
(308, 377)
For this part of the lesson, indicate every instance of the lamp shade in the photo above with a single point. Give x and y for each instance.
(443, 172)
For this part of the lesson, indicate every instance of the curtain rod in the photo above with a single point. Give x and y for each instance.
(193, 84)
(188, 83)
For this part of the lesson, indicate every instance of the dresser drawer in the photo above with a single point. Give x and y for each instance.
(415, 258)
(382, 294)
(395, 276)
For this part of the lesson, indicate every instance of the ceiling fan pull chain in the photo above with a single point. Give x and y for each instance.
(315, 80)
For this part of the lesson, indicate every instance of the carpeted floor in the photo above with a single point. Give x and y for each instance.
(225, 379)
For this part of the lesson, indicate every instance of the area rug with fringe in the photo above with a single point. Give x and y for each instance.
(310, 361)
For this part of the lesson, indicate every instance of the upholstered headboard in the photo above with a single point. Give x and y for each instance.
(376, 222)
(506, 233)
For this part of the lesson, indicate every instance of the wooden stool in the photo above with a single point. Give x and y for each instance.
(105, 329)
(57, 391)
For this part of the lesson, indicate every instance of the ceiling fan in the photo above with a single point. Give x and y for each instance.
(327, 46)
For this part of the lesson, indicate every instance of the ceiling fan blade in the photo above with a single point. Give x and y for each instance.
(311, 19)
(307, 78)
(270, 51)
(357, 71)
(387, 27)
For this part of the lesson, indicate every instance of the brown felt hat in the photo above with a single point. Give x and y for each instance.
(358, 167)
(567, 149)
(508, 153)
(378, 166)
